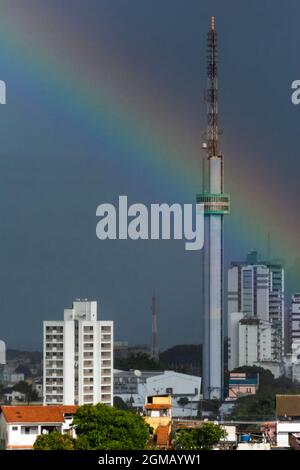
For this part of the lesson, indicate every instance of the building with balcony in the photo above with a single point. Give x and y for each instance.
(158, 414)
(78, 357)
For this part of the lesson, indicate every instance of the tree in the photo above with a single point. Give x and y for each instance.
(22, 387)
(26, 388)
(212, 406)
(54, 441)
(120, 403)
(265, 376)
(138, 361)
(100, 427)
(262, 405)
(183, 401)
(205, 437)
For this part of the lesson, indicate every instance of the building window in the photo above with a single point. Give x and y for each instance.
(15, 428)
(29, 429)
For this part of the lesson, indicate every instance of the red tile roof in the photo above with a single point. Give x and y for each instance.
(68, 409)
(33, 414)
(157, 406)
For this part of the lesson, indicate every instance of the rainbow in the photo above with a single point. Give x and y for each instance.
(146, 128)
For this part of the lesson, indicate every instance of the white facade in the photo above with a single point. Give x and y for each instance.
(255, 342)
(295, 322)
(78, 357)
(37, 387)
(2, 353)
(253, 446)
(14, 396)
(134, 390)
(284, 428)
(248, 290)
(233, 345)
(257, 292)
(17, 434)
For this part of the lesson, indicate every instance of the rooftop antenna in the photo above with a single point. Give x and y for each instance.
(154, 342)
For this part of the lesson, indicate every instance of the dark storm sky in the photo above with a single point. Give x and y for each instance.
(66, 65)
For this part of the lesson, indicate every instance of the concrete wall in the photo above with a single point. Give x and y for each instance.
(283, 430)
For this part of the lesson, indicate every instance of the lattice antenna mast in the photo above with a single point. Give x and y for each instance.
(154, 342)
(212, 92)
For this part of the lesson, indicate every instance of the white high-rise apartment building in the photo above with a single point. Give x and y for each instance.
(248, 291)
(251, 341)
(295, 322)
(78, 357)
(255, 342)
(255, 291)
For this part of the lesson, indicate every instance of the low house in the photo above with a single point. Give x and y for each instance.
(288, 419)
(241, 385)
(20, 425)
(14, 396)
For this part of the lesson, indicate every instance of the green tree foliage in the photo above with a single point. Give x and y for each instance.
(22, 387)
(120, 404)
(54, 441)
(212, 406)
(265, 376)
(100, 427)
(262, 405)
(137, 361)
(26, 388)
(183, 401)
(205, 437)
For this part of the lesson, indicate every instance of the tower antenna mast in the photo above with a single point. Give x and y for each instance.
(154, 341)
(212, 133)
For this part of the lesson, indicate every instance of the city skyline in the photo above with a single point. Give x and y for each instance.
(96, 109)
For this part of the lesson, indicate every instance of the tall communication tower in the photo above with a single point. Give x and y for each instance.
(216, 205)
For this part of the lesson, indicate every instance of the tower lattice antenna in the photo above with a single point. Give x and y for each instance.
(154, 341)
(212, 92)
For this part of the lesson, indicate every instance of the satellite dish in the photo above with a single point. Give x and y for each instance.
(137, 373)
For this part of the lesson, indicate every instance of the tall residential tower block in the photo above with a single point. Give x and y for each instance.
(78, 357)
